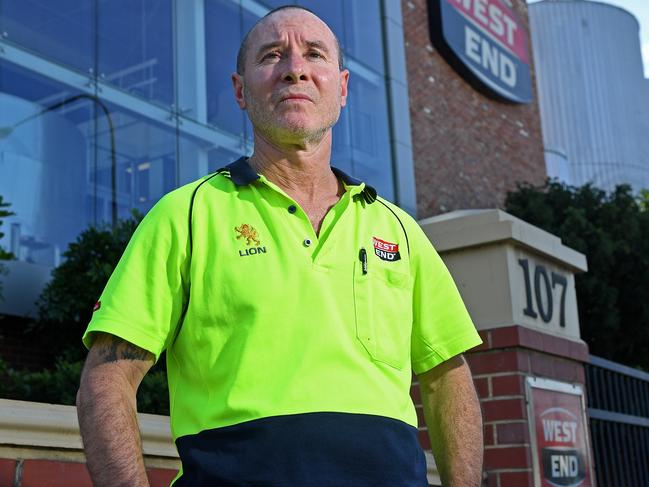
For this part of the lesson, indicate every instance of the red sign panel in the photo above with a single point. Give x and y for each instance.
(560, 432)
(486, 42)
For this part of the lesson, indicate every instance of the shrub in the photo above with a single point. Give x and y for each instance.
(65, 305)
(612, 229)
(59, 385)
(64, 311)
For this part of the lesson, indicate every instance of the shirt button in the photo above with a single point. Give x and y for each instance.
(292, 209)
(307, 242)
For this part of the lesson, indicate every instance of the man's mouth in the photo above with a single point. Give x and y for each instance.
(296, 97)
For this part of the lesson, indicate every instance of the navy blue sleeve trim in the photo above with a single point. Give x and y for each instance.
(191, 248)
(191, 209)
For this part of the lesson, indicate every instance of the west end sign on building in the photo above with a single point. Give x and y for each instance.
(485, 42)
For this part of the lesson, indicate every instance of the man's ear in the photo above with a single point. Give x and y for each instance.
(344, 81)
(237, 86)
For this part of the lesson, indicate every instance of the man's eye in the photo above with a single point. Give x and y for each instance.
(272, 55)
(315, 54)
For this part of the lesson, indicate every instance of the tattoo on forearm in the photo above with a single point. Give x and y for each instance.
(118, 349)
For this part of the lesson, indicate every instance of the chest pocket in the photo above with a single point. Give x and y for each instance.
(383, 312)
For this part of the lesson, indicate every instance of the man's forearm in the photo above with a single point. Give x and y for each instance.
(110, 432)
(454, 420)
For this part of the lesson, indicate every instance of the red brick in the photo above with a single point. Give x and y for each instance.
(512, 433)
(567, 370)
(506, 457)
(581, 375)
(420, 416)
(516, 479)
(486, 341)
(503, 409)
(482, 386)
(505, 337)
(460, 137)
(41, 473)
(529, 338)
(542, 364)
(7, 471)
(508, 385)
(498, 361)
(579, 351)
(424, 439)
(415, 394)
(556, 345)
(491, 479)
(489, 437)
(160, 477)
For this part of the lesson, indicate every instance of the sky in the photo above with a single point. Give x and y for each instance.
(640, 9)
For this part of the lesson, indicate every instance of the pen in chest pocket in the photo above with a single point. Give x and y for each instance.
(362, 255)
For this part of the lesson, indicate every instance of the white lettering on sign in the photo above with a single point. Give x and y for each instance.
(560, 431)
(493, 17)
(564, 466)
(482, 52)
(480, 11)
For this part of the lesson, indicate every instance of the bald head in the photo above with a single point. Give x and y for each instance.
(243, 48)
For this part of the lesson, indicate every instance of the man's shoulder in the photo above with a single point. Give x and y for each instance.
(187, 192)
(177, 202)
(418, 241)
(404, 217)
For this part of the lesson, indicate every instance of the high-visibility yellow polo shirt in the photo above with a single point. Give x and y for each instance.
(284, 345)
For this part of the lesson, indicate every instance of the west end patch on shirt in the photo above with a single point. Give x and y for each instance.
(96, 306)
(386, 250)
(248, 233)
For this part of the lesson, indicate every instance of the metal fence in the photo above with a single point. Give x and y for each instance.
(618, 409)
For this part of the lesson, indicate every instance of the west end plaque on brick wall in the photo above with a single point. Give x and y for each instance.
(559, 432)
(486, 43)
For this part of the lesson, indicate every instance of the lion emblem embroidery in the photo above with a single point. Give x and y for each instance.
(248, 232)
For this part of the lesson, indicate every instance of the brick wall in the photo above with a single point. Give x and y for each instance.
(469, 150)
(499, 367)
(52, 473)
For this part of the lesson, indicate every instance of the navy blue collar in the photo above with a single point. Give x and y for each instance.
(242, 174)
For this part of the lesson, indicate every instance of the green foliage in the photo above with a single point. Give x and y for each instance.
(153, 394)
(4, 255)
(64, 311)
(59, 385)
(65, 305)
(612, 229)
(56, 385)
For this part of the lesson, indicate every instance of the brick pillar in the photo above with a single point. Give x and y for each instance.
(517, 282)
(499, 368)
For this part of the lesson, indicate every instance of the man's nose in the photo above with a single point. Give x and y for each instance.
(295, 68)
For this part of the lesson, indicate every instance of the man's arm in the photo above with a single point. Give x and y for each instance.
(106, 406)
(454, 420)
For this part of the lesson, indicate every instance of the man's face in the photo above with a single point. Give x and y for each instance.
(292, 87)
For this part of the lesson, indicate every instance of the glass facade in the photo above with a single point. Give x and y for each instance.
(107, 105)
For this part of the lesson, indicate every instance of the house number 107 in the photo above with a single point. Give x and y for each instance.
(543, 285)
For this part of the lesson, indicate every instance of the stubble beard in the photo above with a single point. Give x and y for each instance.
(282, 132)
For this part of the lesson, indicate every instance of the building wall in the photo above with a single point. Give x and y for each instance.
(587, 51)
(469, 150)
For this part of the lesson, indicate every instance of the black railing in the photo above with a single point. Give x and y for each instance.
(618, 409)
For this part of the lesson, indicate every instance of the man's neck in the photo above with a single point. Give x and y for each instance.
(301, 170)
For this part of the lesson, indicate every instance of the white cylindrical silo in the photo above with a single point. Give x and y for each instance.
(592, 93)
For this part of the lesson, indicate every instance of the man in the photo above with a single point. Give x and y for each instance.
(293, 304)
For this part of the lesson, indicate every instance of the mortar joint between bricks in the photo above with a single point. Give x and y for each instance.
(508, 445)
(502, 398)
(18, 473)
